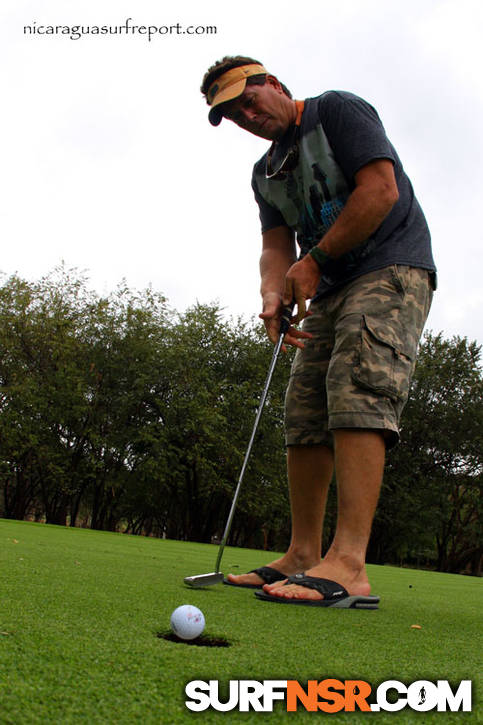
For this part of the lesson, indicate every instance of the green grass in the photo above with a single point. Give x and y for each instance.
(80, 612)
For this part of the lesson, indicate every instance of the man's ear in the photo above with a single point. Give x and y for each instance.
(275, 83)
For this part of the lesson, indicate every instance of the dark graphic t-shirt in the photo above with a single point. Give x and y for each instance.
(339, 134)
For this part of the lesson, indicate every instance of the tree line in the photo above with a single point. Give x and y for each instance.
(119, 413)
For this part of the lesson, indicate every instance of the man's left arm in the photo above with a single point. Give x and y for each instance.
(372, 199)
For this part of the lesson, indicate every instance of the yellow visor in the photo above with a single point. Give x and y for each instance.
(228, 86)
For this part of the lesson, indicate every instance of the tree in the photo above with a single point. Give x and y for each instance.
(432, 490)
(76, 376)
(40, 393)
(216, 371)
(123, 413)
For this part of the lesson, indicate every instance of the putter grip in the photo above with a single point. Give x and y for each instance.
(286, 317)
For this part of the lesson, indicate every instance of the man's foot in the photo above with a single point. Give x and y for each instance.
(348, 574)
(287, 564)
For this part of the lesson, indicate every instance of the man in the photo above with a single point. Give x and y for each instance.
(332, 182)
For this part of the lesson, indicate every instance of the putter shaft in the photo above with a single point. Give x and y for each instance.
(229, 520)
(203, 580)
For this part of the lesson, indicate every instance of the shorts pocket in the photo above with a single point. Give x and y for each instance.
(383, 364)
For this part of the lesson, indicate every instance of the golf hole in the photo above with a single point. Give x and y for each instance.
(202, 641)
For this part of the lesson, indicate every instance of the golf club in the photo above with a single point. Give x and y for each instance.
(215, 577)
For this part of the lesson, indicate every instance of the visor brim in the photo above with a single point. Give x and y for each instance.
(223, 96)
(215, 116)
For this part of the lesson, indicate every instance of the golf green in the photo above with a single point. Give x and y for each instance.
(83, 614)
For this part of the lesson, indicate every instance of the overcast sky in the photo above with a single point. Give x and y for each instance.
(109, 162)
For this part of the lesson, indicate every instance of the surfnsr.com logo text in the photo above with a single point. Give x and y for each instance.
(329, 695)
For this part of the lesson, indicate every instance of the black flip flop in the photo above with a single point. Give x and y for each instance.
(334, 595)
(267, 573)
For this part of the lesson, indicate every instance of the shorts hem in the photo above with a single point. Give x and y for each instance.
(357, 419)
(315, 438)
(366, 421)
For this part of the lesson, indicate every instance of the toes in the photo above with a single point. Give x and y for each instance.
(276, 585)
(294, 591)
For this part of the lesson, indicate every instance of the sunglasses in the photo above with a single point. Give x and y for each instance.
(289, 161)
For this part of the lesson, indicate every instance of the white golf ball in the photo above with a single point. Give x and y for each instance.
(187, 621)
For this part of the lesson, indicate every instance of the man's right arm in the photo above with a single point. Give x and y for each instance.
(278, 255)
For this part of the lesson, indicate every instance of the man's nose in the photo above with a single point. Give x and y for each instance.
(249, 115)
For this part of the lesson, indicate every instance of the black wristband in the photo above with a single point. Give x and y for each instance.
(319, 255)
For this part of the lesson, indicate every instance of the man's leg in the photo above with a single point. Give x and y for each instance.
(378, 320)
(310, 470)
(359, 463)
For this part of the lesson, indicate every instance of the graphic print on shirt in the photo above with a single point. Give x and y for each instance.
(310, 199)
(312, 196)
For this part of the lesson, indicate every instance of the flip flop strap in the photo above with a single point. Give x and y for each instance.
(268, 574)
(328, 588)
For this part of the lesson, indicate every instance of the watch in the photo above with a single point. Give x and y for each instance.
(319, 255)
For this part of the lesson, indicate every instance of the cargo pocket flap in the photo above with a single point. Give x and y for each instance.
(382, 366)
(380, 332)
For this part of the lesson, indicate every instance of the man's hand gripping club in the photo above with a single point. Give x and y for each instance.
(301, 283)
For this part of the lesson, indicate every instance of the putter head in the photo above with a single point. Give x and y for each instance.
(204, 580)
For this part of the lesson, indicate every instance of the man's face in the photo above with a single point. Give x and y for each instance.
(265, 111)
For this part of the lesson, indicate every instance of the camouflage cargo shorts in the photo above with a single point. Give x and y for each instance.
(356, 371)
